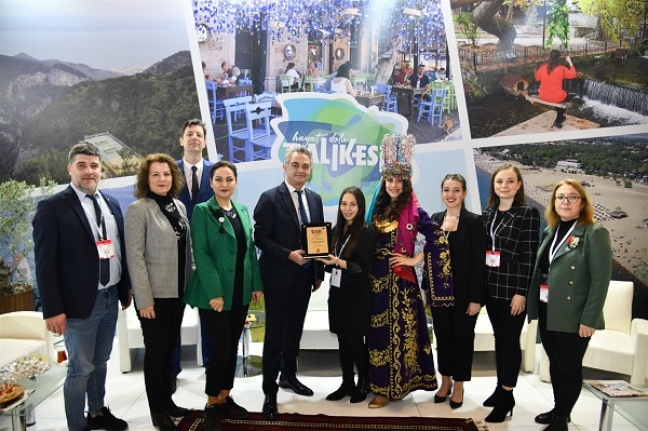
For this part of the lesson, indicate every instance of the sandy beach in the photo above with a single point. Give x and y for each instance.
(629, 235)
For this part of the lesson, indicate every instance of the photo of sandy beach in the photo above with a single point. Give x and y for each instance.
(623, 211)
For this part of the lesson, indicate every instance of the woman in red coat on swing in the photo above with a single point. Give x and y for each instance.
(551, 76)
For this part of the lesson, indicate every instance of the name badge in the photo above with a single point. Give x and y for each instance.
(492, 258)
(544, 293)
(336, 277)
(106, 249)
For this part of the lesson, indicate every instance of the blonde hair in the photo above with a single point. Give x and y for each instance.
(587, 211)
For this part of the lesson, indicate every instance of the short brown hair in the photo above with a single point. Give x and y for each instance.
(193, 122)
(587, 212)
(141, 183)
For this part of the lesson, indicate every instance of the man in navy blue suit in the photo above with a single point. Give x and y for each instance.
(197, 189)
(288, 278)
(82, 277)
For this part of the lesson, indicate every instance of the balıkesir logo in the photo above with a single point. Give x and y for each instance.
(343, 137)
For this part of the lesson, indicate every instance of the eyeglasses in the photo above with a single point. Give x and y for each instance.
(569, 198)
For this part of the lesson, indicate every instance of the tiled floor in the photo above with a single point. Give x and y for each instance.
(319, 370)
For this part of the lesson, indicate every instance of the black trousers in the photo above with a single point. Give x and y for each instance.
(285, 314)
(455, 339)
(565, 351)
(353, 351)
(160, 337)
(507, 329)
(224, 329)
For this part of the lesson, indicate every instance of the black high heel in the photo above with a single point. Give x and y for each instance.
(163, 422)
(439, 399)
(490, 401)
(503, 406)
(456, 405)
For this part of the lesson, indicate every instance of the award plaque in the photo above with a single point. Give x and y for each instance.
(315, 239)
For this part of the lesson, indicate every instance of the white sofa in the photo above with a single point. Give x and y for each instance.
(622, 347)
(485, 340)
(316, 334)
(23, 333)
(129, 334)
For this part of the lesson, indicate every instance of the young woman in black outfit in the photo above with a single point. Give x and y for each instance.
(454, 327)
(512, 244)
(349, 304)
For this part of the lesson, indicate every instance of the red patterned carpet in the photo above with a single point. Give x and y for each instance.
(292, 422)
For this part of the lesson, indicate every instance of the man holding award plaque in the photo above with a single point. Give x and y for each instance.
(289, 229)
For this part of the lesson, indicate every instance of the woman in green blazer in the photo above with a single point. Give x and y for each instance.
(568, 289)
(226, 278)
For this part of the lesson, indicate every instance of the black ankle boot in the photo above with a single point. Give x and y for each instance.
(174, 411)
(503, 405)
(163, 422)
(346, 388)
(490, 401)
(559, 423)
(361, 391)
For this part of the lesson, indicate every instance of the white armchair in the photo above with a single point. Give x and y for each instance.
(622, 347)
(485, 340)
(23, 333)
(129, 335)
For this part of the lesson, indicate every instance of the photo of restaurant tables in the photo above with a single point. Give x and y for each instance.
(390, 55)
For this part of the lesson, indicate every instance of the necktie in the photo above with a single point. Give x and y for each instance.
(104, 275)
(303, 215)
(302, 206)
(194, 184)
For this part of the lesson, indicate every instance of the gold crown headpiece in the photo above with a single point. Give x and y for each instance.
(396, 150)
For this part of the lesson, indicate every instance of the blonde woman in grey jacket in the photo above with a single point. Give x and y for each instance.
(158, 249)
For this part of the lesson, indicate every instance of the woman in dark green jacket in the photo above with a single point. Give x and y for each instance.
(226, 278)
(567, 293)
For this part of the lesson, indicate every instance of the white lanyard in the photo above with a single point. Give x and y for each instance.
(493, 229)
(554, 248)
(338, 254)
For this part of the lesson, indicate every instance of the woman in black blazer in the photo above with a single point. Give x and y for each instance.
(454, 327)
(512, 244)
(349, 304)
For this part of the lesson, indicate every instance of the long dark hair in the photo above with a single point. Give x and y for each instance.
(357, 225)
(554, 56)
(384, 206)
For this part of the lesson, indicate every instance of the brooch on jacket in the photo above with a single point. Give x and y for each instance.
(572, 241)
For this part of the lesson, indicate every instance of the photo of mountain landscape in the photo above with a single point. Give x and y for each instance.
(78, 80)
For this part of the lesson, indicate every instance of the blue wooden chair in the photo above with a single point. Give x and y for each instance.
(216, 107)
(258, 144)
(236, 131)
(434, 108)
(391, 101)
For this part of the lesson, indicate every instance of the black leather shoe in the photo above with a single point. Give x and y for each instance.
(233, 410)
(175, 411)
(211, 417)
(270, 407)
(163, 422)
(547, 417)
(296, 386)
